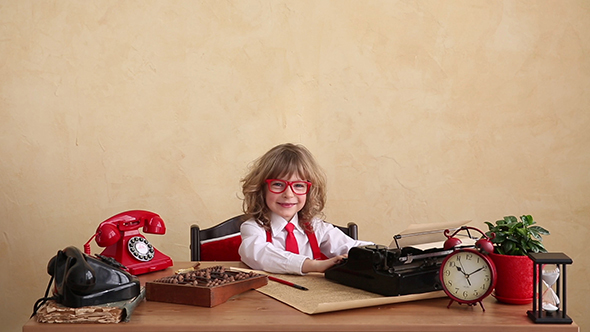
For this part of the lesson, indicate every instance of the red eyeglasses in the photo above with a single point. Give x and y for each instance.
(277, 186)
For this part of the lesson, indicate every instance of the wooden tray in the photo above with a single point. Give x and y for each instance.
(168, 290)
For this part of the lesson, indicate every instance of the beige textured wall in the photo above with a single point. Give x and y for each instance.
(420, 111)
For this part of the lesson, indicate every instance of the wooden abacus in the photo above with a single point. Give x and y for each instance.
(205, 287)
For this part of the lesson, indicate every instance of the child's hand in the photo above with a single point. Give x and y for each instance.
(321, 265)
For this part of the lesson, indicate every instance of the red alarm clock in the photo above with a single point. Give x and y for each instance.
(467, 275)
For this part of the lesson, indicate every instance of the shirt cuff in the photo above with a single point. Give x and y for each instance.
(297, 263)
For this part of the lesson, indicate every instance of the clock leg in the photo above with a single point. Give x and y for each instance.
(450, 302)
(481, 304)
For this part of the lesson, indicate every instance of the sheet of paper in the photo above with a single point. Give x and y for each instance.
(418, 234)
(465, 242)
(325, 295)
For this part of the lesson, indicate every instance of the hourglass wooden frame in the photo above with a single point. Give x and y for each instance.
(538, 315)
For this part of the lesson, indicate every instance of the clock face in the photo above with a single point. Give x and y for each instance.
(467, 276)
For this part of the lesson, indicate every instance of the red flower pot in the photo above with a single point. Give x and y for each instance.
(515, 279)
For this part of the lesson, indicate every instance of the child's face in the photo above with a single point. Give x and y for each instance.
(286, 204)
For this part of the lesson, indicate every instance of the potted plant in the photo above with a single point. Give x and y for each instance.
(514, 238)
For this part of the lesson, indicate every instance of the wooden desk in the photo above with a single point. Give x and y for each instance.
(254, 311)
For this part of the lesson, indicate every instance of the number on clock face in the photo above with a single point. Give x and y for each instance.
(467, 276)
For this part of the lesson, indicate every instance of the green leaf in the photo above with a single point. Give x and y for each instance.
(539, 230)
(500, 237)
(527, 220)
(510, 220)
(507, 246)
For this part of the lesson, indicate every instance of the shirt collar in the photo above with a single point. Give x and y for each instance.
(278, 223)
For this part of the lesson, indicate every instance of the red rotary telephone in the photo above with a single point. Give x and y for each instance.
(120, 235)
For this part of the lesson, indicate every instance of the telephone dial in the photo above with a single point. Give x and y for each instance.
(120, 235)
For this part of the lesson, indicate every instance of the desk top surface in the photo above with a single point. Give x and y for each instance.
(254, 311)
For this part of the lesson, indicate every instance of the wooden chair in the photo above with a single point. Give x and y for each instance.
(221, 242)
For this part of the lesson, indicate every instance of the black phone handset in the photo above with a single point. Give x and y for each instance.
(71, 272)
(82, 280)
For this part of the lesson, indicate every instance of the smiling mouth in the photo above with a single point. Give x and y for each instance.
(287, 204)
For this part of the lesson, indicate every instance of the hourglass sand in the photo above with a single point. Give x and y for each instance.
(550, 275)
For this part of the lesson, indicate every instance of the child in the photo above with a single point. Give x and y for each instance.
(286, 187)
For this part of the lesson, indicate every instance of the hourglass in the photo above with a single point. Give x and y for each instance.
(549, 293)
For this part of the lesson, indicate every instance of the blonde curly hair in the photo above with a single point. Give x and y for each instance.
(284, 160)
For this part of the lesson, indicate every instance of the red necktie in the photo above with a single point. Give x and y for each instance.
(291, 242)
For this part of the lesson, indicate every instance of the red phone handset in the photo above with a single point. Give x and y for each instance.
(120, 235)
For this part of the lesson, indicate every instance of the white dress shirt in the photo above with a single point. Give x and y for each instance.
(272, 257)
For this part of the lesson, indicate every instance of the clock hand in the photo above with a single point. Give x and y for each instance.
(481, 268)
(461, 263)
(462, 270)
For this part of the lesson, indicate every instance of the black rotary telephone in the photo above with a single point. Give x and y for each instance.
(82, 280)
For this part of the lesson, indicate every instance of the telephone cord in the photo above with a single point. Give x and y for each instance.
(40, 302)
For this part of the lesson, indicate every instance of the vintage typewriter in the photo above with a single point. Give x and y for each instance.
(397, 270)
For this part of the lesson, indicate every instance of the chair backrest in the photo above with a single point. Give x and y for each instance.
(221, 242)
(351, 230)
(217, 243)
